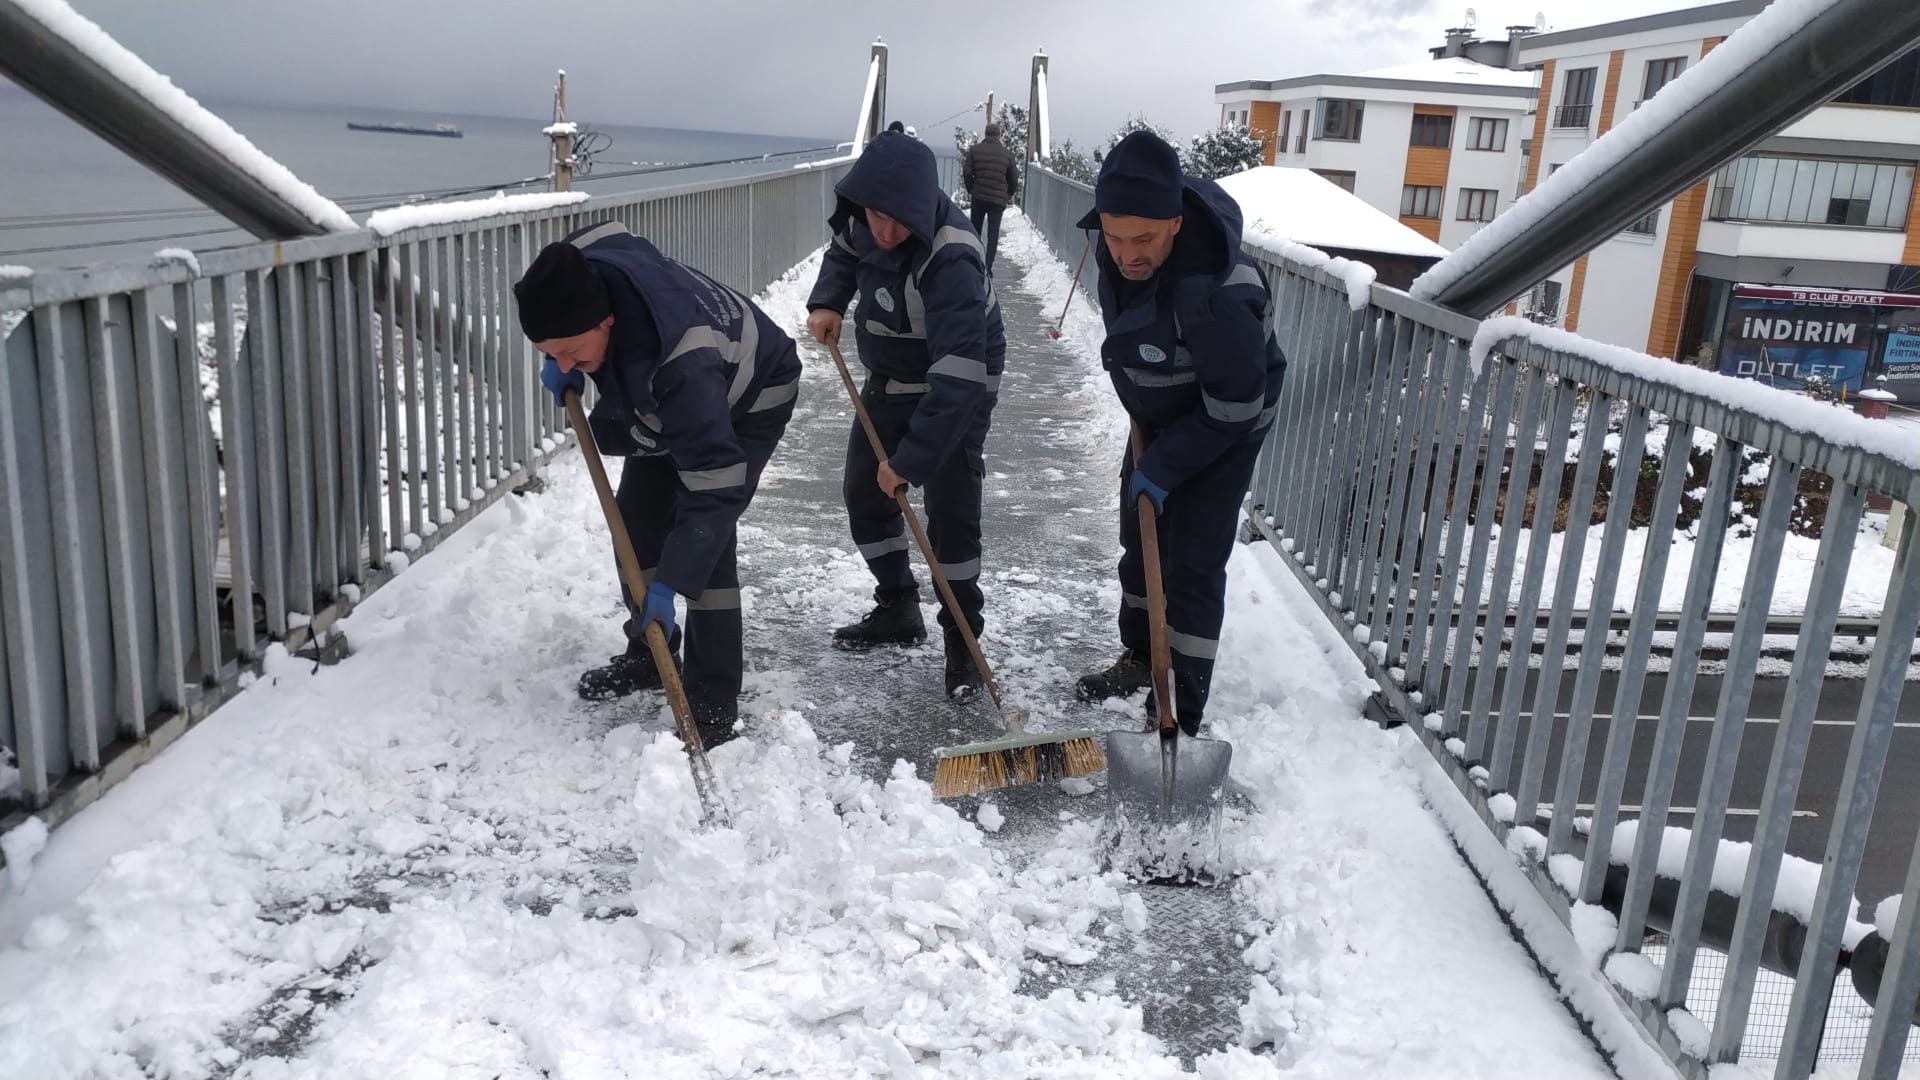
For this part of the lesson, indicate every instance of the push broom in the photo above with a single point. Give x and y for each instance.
(1019, 756)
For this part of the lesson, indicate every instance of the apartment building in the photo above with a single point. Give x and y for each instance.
(1438, 143)
(1801, 258)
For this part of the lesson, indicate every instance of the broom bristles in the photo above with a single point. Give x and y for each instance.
(990, 770)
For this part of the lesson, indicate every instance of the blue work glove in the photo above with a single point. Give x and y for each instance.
(1140, 485)
(557, 382)
(658, 608)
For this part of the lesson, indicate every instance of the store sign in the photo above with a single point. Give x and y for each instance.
(1903, 356)
(1784, 341)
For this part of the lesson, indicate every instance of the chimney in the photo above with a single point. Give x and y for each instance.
(1457, 40)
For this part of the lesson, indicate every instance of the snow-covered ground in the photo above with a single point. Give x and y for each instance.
(433, 861)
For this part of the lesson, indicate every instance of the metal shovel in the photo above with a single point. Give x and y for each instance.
(1164, 787)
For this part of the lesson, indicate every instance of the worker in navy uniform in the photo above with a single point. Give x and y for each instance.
(929, 334)
(696, 385)
(1192, 355)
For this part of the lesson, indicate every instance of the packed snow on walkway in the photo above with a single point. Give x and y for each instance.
(432, 861)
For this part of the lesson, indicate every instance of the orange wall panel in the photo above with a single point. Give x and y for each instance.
(1540, 126)
(1264, 123)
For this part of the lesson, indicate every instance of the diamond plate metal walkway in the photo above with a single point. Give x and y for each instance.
(1051, 542)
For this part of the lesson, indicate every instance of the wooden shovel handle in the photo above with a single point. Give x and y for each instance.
(1161, 652)
(636, 579)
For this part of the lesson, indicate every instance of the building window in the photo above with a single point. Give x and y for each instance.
(1813, 191)
(1576, 99)
(1432, 130)
(1420, 201)
(1647, 225)
(1478, 204)
(1300, 140)
(1340, 119)
(1895, 86)
(1344, 179)
(1543, 303)
(1486, 133)
(1286, 129)
(1659, 74)
(1526, 156)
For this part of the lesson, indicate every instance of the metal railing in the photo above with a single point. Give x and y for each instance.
(1572, 116)
(201, 458)
(1420, 497)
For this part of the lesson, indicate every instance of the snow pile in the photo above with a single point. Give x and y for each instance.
(10, 272)
(1349, 874)
(61, 21)
(429, 857)
(1281, 203)
(564, 127)
(1764, 33)
(1885, 915)
(1795, 411)
(1793, 893)
(401, 218)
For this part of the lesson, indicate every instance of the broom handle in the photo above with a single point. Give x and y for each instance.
(1075, 287)
(919, 535)
(1162, 654)
(637, 586)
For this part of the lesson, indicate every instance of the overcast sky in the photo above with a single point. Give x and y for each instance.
(787, 67)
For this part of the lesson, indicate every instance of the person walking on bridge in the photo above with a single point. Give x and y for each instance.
(992, 179)
(929, 333)
(696, 385)
(1191, 351)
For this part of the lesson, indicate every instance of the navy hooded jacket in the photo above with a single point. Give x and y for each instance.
(927, 320)
(688, 357)
(1192, 354)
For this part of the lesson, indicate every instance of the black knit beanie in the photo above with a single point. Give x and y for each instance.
(560, 295)
(1140, 178)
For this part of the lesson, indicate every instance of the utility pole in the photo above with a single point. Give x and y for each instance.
(983, 130)
(561, 132)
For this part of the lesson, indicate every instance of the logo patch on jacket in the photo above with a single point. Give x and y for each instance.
(1152, 354)
(884, 299)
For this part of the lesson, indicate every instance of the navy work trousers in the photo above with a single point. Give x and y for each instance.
(1196, 532)
(952, 506)
(714, 638)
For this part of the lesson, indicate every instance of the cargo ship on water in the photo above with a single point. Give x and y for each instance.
(444, 131)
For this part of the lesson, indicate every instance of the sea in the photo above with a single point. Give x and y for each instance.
(69, 199)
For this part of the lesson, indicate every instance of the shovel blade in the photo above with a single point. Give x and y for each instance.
(1169, 781)
(1165, 802)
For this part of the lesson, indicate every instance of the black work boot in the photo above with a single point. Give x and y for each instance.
(963, 675)
(628, 673)
(1189, 724)
(1123, 677)
(716, 722)
(896, 622)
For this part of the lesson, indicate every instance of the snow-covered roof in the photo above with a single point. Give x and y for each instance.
(1453, 69)
(1282, 203)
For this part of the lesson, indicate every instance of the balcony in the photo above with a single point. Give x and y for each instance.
(1572, 116)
